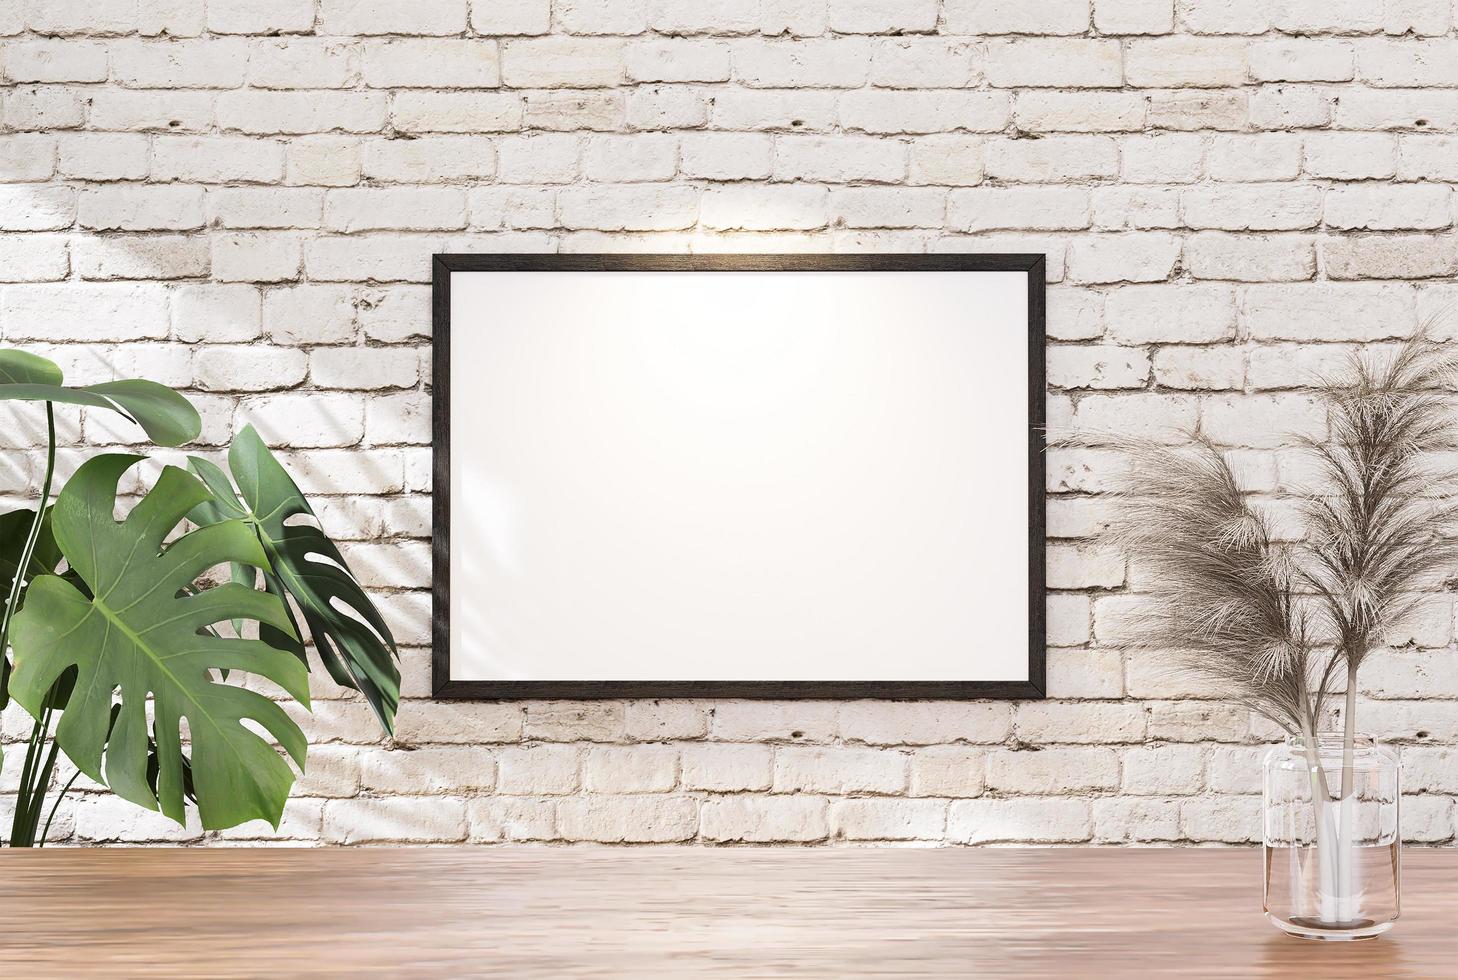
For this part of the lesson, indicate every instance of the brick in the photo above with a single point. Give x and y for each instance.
(571, 721)
(1133, 16)
(301, 112)
(303, 63)
(1301, 60)
(946, 160)
(55, 61)
(1055, 159)
(28, 157)
(658, 107)
(456, 112)
(1249, 258)
(174, 18)
(140, 257)
(387, 17)
(652, 720)
(629, 207)
(990, 208)
(1224, 819)
(42, 108)
(1385, 208)
(497, 819)
(602, 16)
(1414, 64)
(1199, 368)
(1261, 421)
(725, 156)
(1255, 158)
(1373, 108)
(307, 420)
(677, 60)
(261, 17)
(923, 723)
(1328, 311)
(888, 819)
(310, 314)
(380, 258)
(574, 110)
(401, 819)
(1174, 158)
(705, 16)
(1425, 157)
(1013, 17)
(431, 63)
(839, 770)
(1054, 62)
(373, 209)
(1052, 771)
(538, 770)
(1097, 367)
(364, 367)
(1163, 770)
(24, 208)
(1254, 207)
(924, 62)
(1080, 722)
(1040, 820)
(815, 63)
(329, 161)
(122, 207)
(1350, 156)
(1389, 257)
(628, 819)
(33, 258)
(1193, 109)
(428, 771)
(877, 17)
(885, 111)
(110, 818)
(563, 62)
(752, 721)
(888, 207)
(757, 207)
(726, 767)
(1079, 112)
(256, 257)
(213, 63)
(630, 769)
(1185, 61)
(1120, 819)
(764, 819)
(1134, 257)
(217, 159)
(104, 156)
(511, 16)
(84, 312)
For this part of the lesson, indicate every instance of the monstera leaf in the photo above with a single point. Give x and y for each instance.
(166, 417)
(14, 528)
(353, 641)
(142, 631)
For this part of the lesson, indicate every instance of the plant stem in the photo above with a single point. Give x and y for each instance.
(56, 806)
(28, 799)
(1346, 827)
(22, 567)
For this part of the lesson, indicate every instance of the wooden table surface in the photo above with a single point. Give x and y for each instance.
(659, 912)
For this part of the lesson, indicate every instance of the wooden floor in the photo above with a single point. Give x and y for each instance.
(571, 912)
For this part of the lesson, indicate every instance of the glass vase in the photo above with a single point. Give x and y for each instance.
(1333, 842)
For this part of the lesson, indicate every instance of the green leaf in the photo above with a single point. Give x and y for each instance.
(136, 635)
(21, 367)
(357, 650)
(14, 528)
(168, 418)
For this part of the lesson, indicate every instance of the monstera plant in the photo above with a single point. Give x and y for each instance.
(114, 633)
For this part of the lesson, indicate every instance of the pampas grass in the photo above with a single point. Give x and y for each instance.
(1277, 624)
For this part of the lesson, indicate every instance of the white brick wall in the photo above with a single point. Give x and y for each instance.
(241, 199)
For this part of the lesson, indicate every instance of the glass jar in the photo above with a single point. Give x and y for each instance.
(1332, 837)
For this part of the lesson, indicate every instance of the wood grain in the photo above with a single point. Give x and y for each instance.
(659, 912)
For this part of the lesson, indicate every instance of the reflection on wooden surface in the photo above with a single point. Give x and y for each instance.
(652, 912)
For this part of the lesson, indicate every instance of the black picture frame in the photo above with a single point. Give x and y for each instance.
(445, 688)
